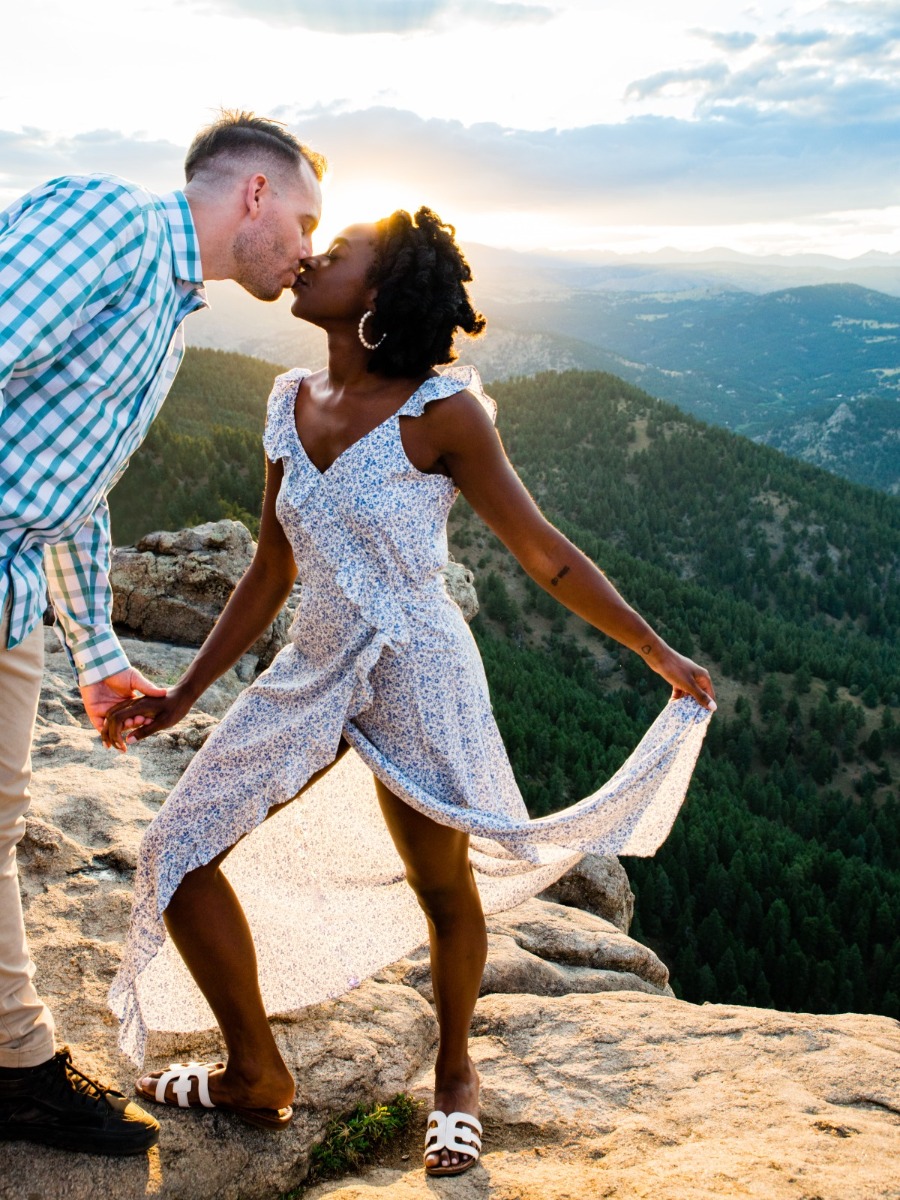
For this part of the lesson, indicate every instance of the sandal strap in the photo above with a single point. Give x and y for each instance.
(182, 1076)
(434, 1134)
(461, 1118)
(457, 1132)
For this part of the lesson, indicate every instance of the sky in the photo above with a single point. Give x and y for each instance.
(628, 126)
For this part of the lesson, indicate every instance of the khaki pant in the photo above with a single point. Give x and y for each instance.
(26, 1026)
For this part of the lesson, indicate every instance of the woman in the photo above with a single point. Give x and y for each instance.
(365, 459)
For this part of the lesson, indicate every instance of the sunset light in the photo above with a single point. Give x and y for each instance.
(534, 563)
(366, 200)
(564, 125)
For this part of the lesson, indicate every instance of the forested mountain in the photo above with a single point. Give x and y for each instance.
(202, 459)
(812, 370)
(780, 883)
(669, 271)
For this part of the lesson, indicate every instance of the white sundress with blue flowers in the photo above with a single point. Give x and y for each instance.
(379, 655)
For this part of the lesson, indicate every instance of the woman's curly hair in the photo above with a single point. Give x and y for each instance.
(421, 277)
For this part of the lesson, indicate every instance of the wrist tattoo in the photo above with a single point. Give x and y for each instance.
(558, 576)
(648, 649)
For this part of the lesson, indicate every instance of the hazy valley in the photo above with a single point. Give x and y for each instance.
(800, 353)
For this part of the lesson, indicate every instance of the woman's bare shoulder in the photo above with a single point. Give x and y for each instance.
(462, 406)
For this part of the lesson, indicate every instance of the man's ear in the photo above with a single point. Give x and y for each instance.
(255, 190)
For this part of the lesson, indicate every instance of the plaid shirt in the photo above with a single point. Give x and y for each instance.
(96, 276)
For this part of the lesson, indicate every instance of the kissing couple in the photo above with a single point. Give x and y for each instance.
(357, 797)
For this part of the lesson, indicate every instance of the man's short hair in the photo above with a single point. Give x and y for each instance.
(237, 134)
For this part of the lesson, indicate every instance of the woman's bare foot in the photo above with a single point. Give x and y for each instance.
(454, 1093)
(230, 1088)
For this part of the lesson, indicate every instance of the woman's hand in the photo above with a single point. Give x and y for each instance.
(685, 676)
(133, 720)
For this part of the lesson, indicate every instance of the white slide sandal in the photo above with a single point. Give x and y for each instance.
(458, 1133)
(185, 1076)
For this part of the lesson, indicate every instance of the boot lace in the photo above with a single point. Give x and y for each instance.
(74, 1080)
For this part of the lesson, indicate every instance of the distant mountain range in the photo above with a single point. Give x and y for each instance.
(814, 371)
(670, 270)
(794, 352)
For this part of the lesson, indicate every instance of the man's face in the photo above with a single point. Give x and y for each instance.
(268, 248)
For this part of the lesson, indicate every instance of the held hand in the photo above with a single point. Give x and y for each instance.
(100, 697)
(133, 720)
(686, 677)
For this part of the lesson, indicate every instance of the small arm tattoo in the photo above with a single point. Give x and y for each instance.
(559, 574)
(646, 649)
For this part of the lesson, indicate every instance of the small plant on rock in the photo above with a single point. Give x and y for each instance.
(353, 1140)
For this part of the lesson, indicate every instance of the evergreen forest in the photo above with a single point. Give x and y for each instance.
(780, 882)
(202, 459)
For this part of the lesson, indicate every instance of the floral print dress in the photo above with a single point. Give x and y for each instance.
(380, 655)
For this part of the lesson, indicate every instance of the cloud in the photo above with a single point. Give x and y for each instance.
(866, 12)
(841, 69)
(731, 42)
(763, 143)
(504, 12)
(383, 16)
(807, 91)
(799, 37)
(867, 45)
(681, 80)
(741, 166)
(30, 156)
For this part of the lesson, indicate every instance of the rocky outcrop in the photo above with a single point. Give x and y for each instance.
(549, 949)
(619, 1091)
(643, 1096)
(599, 885)
(460, 584)
(173, 586)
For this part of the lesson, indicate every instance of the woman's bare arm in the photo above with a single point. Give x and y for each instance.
(474, 457)
(251, 609)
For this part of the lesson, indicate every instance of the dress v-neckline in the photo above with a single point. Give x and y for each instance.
(359, 440)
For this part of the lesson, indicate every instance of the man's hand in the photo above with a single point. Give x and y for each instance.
(100, 697)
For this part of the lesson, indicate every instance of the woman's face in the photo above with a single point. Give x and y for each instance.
(333, 286)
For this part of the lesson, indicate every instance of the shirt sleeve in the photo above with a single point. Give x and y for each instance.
(71, 244)
(78, 582)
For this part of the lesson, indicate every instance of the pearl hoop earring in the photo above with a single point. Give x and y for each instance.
(362, 336)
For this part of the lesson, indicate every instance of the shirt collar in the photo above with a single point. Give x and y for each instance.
(185, 244)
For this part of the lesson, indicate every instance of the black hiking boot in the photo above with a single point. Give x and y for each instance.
(58, 1106)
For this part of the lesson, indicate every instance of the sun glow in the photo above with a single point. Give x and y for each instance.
(637, 96)
(357, 201)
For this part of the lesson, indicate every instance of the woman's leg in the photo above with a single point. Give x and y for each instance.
(207, 924)
(438, 871)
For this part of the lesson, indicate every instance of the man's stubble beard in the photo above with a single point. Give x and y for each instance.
(256, 251)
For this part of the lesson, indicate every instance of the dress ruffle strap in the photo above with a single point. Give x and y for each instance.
(375, 603)
(280, 436)
(452, 380)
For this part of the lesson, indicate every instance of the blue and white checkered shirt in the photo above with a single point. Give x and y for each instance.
(96, 276)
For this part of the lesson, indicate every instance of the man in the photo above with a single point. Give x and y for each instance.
(96, 277)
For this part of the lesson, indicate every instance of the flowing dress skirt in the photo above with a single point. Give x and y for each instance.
(321, 883)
